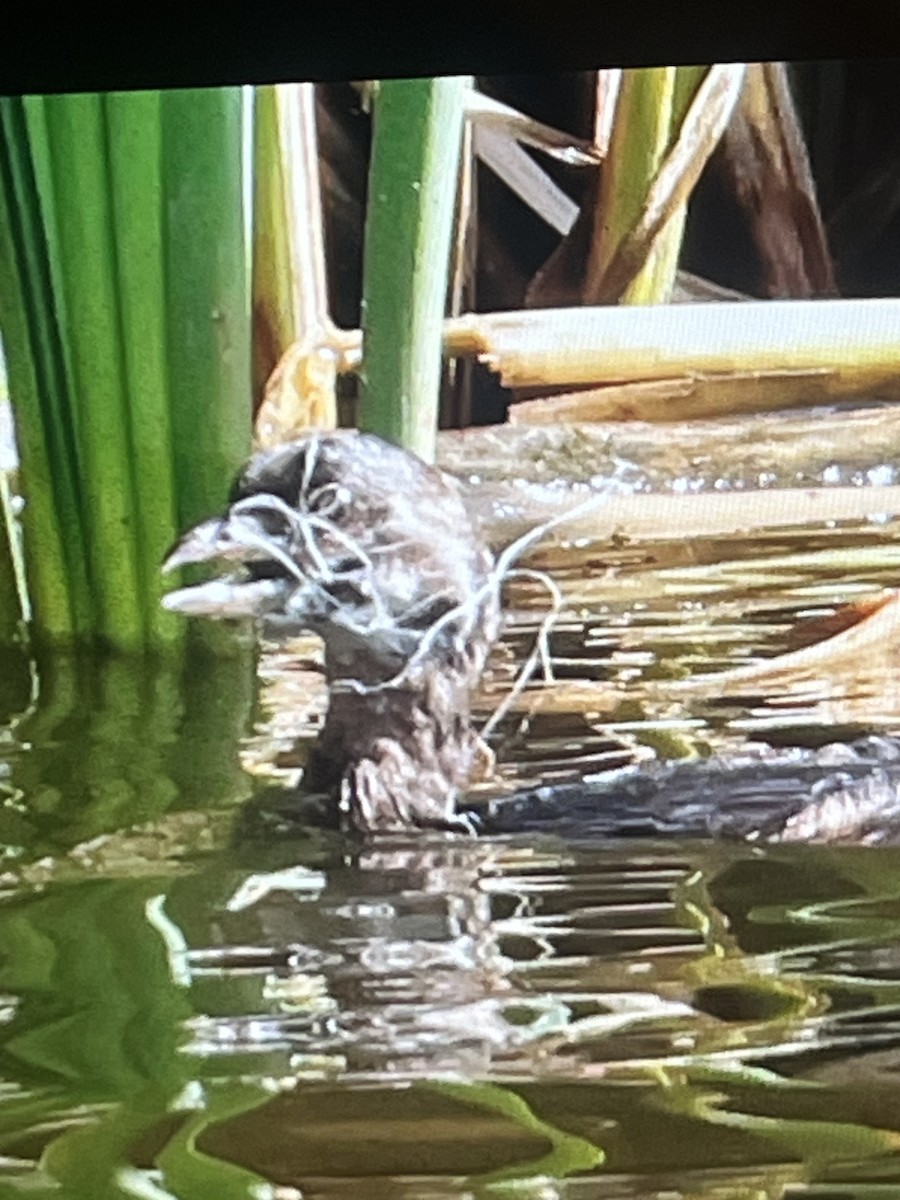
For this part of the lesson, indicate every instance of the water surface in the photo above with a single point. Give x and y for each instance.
(201, 997)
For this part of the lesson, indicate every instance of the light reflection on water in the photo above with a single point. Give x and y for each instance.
(423, 1018)
(702, 1015)
(222, 999)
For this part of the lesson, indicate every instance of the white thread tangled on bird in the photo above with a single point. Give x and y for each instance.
(364, 544)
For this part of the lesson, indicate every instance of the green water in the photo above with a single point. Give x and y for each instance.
(199, 999)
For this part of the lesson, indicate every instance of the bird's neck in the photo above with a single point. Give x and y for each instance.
(399, 757)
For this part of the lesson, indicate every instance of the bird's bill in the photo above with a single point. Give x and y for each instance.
(235, 539)
(227, 599)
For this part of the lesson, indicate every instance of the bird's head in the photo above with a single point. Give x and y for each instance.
(346, 536)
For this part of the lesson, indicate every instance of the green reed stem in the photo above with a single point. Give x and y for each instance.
(416, 150)
(125, 317)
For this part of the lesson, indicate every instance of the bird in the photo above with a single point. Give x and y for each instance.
(352, 538)
(359, 541)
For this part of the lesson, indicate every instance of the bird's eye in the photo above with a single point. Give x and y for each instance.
(265, 570)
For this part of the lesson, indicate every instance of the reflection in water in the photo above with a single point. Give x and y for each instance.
(449, 1018)
(112, 742)
(201, 1000)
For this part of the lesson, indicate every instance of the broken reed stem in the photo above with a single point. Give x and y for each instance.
(306, 223)
(558, 347)
(728, 514)
(767, 163)
(693, 397)
(609, 83)
(654, 238)
(856, 339)
(295, 338)
(641, 132)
